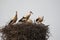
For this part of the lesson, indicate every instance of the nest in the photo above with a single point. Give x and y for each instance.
(25, 31)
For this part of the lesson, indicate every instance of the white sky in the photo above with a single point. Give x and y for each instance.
(50, 9)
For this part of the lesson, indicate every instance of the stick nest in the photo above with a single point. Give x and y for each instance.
(25, 31)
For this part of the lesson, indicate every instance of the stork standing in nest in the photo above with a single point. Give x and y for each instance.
(14, 19)
(39, 20)
(26, 17)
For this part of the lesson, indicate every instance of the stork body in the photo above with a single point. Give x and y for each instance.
(39, 19)
(29, 21)
(14, 19)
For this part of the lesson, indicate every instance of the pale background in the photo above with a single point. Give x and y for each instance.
(50, 9)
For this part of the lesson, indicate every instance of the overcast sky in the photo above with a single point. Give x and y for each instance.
(50, 9)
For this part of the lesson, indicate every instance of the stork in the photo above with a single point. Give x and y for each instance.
(26, 17)
(39, 20)
(14, 19)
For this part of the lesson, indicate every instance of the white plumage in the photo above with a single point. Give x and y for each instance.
(29, 21)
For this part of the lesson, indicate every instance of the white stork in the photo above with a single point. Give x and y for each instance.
(26, 17)
(39, 20)
(14, 19)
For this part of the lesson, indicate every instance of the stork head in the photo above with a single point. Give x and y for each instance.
(30, 13)
(14, 16)
(41, 17)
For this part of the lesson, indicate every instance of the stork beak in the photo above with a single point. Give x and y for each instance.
(16, 12)
(42, 16)
(31, 12)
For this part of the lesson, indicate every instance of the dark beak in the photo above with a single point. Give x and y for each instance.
(31, 12)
